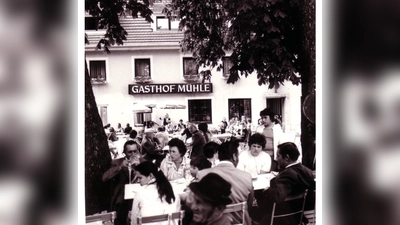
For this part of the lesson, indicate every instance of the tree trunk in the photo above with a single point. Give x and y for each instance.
(97, 155)
(308, 80)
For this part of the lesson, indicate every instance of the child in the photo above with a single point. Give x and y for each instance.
(210, 151)
(197, 164)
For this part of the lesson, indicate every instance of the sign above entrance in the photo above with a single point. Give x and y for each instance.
(169, 88)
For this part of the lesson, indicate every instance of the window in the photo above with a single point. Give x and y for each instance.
(190, 67)
(276, 105)
(139, 118)
(227, 64)
(91, 23)
(103, 114)
(142, 68)
(97, 70)
(239, 108)
(200, 111)
(164, 23)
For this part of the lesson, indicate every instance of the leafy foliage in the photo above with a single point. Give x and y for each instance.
(108, 14)
(264, 36)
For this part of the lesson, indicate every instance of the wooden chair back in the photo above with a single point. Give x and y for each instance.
(299, 211)
(103, 217)
(161, 218)
(237, 207)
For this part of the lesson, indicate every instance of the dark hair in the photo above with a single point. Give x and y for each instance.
(112, 129)
(180, 120)
(107, 126)
(131, 142)
(203, 127)
(209, 149)
(290, 149)
(161, 128)
(200, 162)
(257, 138)
(176, 142)
(133, 134)
(228, 149)
(268, 112)
(163, 186)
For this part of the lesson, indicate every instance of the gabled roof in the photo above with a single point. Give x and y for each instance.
(140, 33)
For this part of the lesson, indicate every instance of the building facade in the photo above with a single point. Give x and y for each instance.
(149, 69)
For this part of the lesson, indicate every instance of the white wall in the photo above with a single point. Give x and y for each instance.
(166, 67)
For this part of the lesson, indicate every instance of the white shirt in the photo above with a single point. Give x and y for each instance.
(254, 164)
(147, 203)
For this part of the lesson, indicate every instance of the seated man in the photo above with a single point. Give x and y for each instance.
(121, 173)
(209, 198)
(293, 179)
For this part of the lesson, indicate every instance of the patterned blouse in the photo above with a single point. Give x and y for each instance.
(169, 168)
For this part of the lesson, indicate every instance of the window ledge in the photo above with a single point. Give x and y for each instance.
(143, 79)
(191, 78)
(98, 81)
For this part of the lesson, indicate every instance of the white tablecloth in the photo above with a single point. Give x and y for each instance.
(262, 181)
(178, 186)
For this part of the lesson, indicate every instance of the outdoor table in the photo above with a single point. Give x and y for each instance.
(178, 186)
(262, 181)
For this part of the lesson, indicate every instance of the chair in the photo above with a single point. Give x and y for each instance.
(103, 217)
(301, 197)
(242, 206)
(161, 218)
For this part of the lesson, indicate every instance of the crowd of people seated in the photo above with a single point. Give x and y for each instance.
(216, 172)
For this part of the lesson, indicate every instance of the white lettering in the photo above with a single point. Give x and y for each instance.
(135, 89)
(165, 88)
(181, 88)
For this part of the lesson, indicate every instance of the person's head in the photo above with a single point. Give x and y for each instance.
(177, 149)
(256, 143)
(112, 129)
(148, 172)
(133, 134)
(149, 132)
(161, 129)
(210, 149)
(119, 125)
(166, 115)
(203, 127)
(267, 116)
(223, 119)
(107, 126)
(131, 149)
(181, 121)
(127, 125)
(211, 195)
(228, 151)
(199, 163)
(287, 154)
(192, 128)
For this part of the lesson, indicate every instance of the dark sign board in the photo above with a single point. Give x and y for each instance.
(169, 88)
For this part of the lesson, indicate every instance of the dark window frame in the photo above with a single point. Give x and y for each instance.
(224, 72)
(137, 75)
(202, 109)
(186, 59)
(238, 105)
(96, 78)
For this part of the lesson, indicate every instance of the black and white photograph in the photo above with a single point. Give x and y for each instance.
(200, 112)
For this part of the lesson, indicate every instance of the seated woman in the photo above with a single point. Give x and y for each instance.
(255, 161)
(156, 196)
(175, 165)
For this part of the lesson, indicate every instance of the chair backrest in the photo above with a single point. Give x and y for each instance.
(241, 206)
(161, 218)
(103, 217)
(300, 211)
